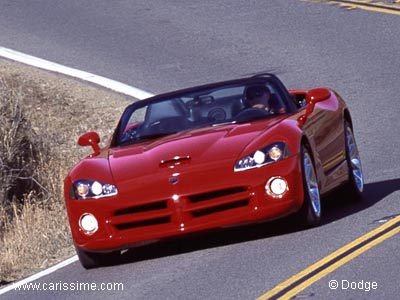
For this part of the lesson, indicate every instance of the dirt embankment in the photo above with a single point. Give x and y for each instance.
(41, 116)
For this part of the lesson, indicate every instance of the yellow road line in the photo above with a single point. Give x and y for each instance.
(328, 264)
(373, 6)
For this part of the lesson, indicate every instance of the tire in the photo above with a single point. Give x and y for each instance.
(90, 260)
(310, 212)
(355, 185)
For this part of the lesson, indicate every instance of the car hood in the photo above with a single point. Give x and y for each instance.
(189, 148)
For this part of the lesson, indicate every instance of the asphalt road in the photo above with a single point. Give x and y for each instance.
(157, 47)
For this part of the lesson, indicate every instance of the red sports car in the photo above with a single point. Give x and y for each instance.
(217, 155)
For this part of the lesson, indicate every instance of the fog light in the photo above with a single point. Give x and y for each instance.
(276, 186)
(88, 223)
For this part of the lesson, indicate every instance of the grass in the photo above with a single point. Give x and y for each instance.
(41, 116)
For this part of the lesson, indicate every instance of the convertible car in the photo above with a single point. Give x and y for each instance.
(213, 156)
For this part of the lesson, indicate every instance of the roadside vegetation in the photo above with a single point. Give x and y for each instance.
(41, 116)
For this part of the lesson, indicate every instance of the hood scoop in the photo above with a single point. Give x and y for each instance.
(176, 161)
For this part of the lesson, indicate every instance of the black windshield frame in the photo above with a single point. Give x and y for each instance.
(181, 105)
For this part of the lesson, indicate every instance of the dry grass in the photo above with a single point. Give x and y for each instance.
(41, 117)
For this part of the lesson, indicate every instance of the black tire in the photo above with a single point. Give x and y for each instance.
(310, 212)
(90, 260)
(355, 185)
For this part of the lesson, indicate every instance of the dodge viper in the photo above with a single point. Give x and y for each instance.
(218, 155)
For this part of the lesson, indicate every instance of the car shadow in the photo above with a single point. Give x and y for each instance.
(335, 207)
(339, 205)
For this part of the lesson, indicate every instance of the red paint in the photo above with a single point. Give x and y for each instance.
(185, 182)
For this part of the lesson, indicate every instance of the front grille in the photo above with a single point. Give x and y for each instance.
(142, 215)
(217, 201)
(215, 194)
(219, 208)
(171, 213)
(150, 222)
(142, 208)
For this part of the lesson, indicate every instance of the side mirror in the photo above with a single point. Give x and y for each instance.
(90, 139)
(312, 97)
(317, 95)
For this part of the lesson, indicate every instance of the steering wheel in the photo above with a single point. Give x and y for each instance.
(165, 125)
(158, 126)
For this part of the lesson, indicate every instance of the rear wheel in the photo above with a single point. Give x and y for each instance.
(90, 260)
(310, 212)
(355, 184)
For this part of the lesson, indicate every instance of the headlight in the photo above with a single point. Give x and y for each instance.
(93, 189)
(266, 155)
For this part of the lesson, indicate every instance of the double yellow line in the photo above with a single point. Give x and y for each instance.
(300, 281)
(374, 6)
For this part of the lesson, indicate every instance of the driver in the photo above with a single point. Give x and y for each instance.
(260, 97)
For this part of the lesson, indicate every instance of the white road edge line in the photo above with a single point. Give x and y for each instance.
(99, 80)
(38, 275)
(50, 66)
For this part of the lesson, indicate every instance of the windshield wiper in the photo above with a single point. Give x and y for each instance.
(224, 123)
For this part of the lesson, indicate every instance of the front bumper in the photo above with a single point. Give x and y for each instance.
(234, 199)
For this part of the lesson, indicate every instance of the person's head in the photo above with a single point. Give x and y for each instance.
(258, 96)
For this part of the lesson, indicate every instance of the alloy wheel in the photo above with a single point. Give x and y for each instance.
(311, 184)
(354, 160)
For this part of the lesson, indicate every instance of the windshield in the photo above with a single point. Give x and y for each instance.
(146, 120)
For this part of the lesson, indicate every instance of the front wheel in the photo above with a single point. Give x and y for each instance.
(310, 212)
(355, 184)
